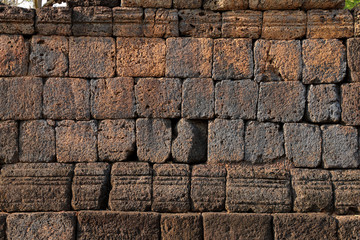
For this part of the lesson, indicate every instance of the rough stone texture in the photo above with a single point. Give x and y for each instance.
(87, 3)
(263, 142)
(171, 188)
(90, 186)
(113, 98)
(226, 141)
(76, 141)
(158, 98)
(16, 20)
(53, 21)
(35, 187)
(312, 190)
(241, 24)
(278, 60)
(189, 57)
(330, 24)
(198, 98)
(92, 57)
(233, 59)
(353, 57)
(92, 21)
(304, 226)
(356, 22)
(131, 187)
(323, 4)
(275, 4)
(66, 98)
(49, 56)
(303, 144)
(37, 141)
(190, 142)
(188, 4)
(153, 139)
(181, 226)
(147, 3)
(350, 103)
(29, 226)
(21, 98)
(118, 225)
(116, 139)
(161, 23)
(3, 226)
(13, 55)
(199, 23)
(223, 5)
(281, 101)
(128, 22)
(324, 61)
(340, 146)
(8, 142)
(237, 226)
(208, 183)
(348, 227)
(284, 24)
(141, 57)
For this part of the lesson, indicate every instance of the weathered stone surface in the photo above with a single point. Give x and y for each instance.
(21, 98)
(3, 226)
(161, 23)
(353, 57)
(198, 98)
(188, 4)
(37, 141)
(128, 22)
(340, 146)
(92, 57)
(208, 183)
(140, 57)
(303, 144)
(233, 59)
(35, 187)
(312, 190)
(153, 139)
(348, 227)
(257, 189)
(13, 55)
(189, 57)
(275, 4)
(350, 103)
(113, 98)
(29, 226)
(92, 21)
(199, 23)
(278, 60)
(190, 142)
(226, 141)
(329, 24)
(16, 20)
(181, 226)
(118, 225)
(53, 21)
(223, 5)
(8, 142)
(147, 3)
(116, 139)
(356, 22)
(237, 226)
(281, 101)
(323, 4)
(284, 24)
(76, 141)
(87, 3)
(236, 99)
(49, 56)
(171, 188)
(241, 24)
(158, 98)
(324, 61)
(131, 187)
(66, 98)
(263, 142)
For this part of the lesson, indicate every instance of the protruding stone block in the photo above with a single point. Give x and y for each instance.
(200, 23)
(275, 4)
(14, 53)
(353, 57)
(162, 23)
(350, 103)
(128, 22)
(323, 4)
(241, 24)
(348, 227)
(187, 4)
(16, 20)
(223, 5)
(8, 142)
(53, 21)
(88, 3)
(147, 3)
(181, 226)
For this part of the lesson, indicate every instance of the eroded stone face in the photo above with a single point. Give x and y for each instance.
(181, 226)
(189, 4)
(147, 3)
(161, 23)
(13, 55)
(350, 103)
(275, 4)
(353, 58)
(16, 20)
(127, 22)
(241, 24)
(53, 21)
(323, 4)
(8, 142)
(348, 226)
(221, 5)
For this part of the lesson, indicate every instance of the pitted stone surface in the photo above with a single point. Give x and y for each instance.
(147, 3)
(199, 23)
(275, 4)
(348, 227)
(241, 24)
(16, 20)
(350, 103)
(188, 4)
(13, 55)
(128, 22)
(53, 21)
(353, 57)
(222, 5)
(161, 23)
(8, 142)
(181, 226)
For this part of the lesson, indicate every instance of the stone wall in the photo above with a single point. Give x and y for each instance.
(180, 119)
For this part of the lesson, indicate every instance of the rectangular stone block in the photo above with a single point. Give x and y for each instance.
(241, 24)
(92, 21)
(16, 20)
(181, 226)
(3, 226)
(14, 53)
(224, 5)
(116, 140)
(87, 3)
(147, 3)
(29, 226)
(131, 187)
(140, 57)
(158, 97)
(258, 189)
(312, 190)
(226, 141)
(128, 22)
(275, 4)
(348, 227)
(90, 186)
(76, 141)
(171, 188)
(199, 23)
(113, 98)
(66, 98)
(161, 23)
(323, 4)
(8, 142)
(208, 184)
(21, 98)
(187, 4)
(35, 187)
(350, 103)
(53, 21)
(100, 225)
(353, 58)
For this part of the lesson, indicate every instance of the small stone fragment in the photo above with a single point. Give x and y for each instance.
(14, 52)
(8, 142)
(16, 20)
(53, 21)
(350, 103)
(241, 24)
(199, 23)
(128, 22)
(162, 23)
(181, 226)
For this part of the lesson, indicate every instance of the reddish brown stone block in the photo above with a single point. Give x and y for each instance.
(188, 4)
(88, 3)
(350, 103)
(353, 58)
(8, 142)
(275, 4)
(348, 227)
(241, 24)
(13, 55)
(356, 22)
(16, 20)
(323, 4)
(181, 226)
(162, 23)
(128, 22)
(223, 5)
(200, 23)
(147, 3)
(53, 21)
